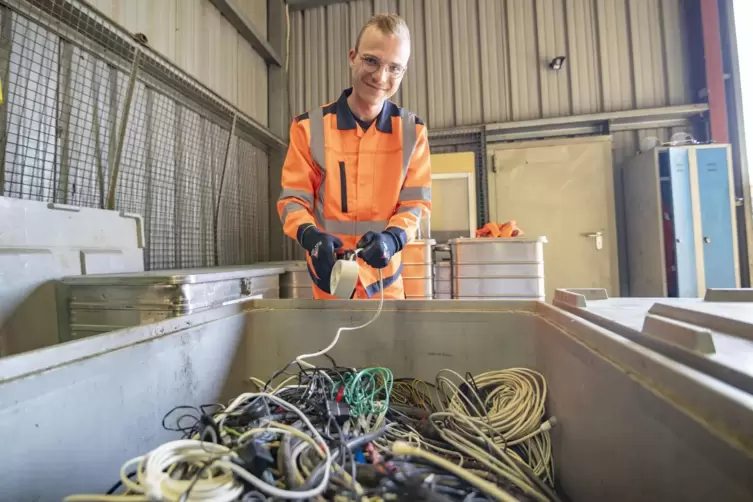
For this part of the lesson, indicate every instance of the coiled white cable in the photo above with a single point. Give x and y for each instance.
(301, 359)
(221, 484)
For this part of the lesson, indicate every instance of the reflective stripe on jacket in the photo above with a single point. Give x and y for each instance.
(348, 182)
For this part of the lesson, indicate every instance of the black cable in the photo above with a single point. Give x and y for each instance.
(119, 484)
(184, 496)
(357, 442)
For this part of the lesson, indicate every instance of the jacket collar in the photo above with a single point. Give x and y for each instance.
(346, 120)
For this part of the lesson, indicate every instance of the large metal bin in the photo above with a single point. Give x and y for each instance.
(633, 425)
(108, 302)
(712, 334)
(498, 268)
(418, 272)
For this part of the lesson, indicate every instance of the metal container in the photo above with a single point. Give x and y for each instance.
(498, 268)
(295, 282)
(632, 425)
(418, 272)
(712, 334)
(442, 280)
(102, 303)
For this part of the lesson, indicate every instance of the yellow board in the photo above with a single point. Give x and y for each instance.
(447, 163)
(453, 199)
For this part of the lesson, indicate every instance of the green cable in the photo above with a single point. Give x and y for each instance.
(368, 391)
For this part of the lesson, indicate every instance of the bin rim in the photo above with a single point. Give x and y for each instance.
(175, 277)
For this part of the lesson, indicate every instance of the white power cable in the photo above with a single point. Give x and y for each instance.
(153, 474)
(301, 359)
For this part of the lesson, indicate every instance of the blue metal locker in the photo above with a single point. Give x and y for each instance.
(682, 235)
(676, 164)
(716, 218)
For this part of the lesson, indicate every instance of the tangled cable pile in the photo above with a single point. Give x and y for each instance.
(339, 433)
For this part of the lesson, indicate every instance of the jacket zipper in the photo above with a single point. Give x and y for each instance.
(343, 189)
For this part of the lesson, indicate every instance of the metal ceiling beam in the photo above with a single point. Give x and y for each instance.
(626, 120)
(247, 30)
(295, 5)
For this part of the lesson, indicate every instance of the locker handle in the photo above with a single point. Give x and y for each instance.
(599, 238)
(707, 240)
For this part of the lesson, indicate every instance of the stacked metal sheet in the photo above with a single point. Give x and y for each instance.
(498, 268)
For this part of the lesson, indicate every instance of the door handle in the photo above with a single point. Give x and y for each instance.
(599, 238)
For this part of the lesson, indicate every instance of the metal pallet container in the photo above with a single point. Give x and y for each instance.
(498, 268)
(108, 302)
(418, 272)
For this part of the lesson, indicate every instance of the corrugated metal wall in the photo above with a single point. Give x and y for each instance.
(195, 36)
(486, 61)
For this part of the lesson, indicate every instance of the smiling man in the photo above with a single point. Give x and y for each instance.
(357, 173)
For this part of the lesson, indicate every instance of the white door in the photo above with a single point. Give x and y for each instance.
(563, 190)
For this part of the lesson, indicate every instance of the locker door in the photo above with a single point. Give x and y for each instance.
(717, 218)
(676, 162)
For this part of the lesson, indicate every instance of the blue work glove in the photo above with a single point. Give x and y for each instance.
(378, 249)
(321, 247)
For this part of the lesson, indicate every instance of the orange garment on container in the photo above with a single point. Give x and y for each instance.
(509, 229)
(348, 181)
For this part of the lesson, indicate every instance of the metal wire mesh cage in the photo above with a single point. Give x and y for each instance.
(90, 117)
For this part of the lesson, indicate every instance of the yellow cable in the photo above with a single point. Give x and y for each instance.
(402, 448)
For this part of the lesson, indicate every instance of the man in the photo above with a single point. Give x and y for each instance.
(357, 173)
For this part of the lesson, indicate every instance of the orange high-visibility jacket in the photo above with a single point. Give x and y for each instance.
(348, 182)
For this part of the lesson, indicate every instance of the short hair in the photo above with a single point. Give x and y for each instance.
(389, 24)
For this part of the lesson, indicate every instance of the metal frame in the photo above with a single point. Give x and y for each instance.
(595, 123)
(740, 162)
(472, 217)
(310, 4)
(247, 30)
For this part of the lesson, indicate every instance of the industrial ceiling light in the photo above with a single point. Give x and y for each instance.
(557, 63)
